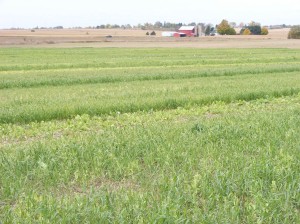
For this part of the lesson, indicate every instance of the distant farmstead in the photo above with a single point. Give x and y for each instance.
(168, 34)
(184, 31)
(189, 31)
(173, 34)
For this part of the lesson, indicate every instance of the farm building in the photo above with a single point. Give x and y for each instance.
(177, 34)
(168, 34)
(173, 34)
(188, 30)
(184, 31)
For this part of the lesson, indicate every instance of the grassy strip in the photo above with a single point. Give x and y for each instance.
(236, 163)
(90, 76)
(38, 104)
(43, 59)
(146, 63)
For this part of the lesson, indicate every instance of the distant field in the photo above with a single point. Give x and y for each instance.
(149, 135)
(137, 38)
(273, 33)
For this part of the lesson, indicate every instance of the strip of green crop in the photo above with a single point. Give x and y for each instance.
(46, 103)
(235, 163)
(25, 79)
(41, 59)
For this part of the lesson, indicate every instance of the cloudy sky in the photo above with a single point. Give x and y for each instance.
(70, 13)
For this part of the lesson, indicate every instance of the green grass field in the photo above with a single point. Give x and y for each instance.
(149, 135)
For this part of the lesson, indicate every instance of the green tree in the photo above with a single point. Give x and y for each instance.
(207, 30)
(225, 29)
(255, 30)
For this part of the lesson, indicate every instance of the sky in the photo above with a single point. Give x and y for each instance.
(73, 13)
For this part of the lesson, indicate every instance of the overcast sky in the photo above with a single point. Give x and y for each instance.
(71, 13)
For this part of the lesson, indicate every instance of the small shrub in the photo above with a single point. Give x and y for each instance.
(264, 31)
(294, 33)
(153, 33)
(147, 34)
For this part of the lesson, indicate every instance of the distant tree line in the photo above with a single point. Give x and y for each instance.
(113, 26)
(173, 26)
(253, 28)
(147, 26)
(224, 28)
(206, 28)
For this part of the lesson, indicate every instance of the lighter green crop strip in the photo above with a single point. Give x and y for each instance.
(32, 59)
(25, 79)
(146, 63)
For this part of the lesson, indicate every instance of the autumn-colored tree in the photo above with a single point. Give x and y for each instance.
(225, 29)
(246, 32)
(264, 31)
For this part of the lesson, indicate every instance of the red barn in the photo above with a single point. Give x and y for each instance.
(188, 30)
(176, 34)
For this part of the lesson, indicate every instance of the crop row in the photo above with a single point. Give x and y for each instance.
(62, 77)
(43, 59)
(46, 103)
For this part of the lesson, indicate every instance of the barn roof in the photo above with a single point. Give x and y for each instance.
(187, 28)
